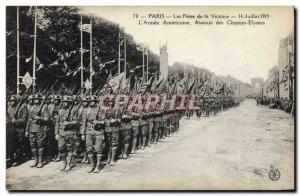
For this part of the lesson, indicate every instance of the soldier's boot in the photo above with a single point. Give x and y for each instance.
(138, 142)
(158, 135)
(108, 157)
(69, 161)
(172, 129)
(58, 158)
(85, 158)
(125, 151)
(35, 155)
(113, 156)
(134, 148)
(64, 161)
(144, 142)
(41, 152)
(92, 163)
(155, 138)
(148, 140)
(162, 133)
(98, 164)
(17, 160)
(76, 148)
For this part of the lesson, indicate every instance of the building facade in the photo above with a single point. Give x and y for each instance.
(286, 67)
(271, 85)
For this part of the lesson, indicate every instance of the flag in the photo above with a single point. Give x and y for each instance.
(161, 86)
(139, 48)
(153, 86)
(115, 82)
(173, 89)
(191, 86)
(125, 88)
(145, 86)
(181, 85)
(85, 27)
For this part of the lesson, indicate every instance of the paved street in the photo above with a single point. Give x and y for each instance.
(233, 150)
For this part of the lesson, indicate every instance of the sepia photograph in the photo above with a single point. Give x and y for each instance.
(150, 98)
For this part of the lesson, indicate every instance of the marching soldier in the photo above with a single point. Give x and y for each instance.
(156, 126)
(112, 127)
(75, 111)
(150, 129)
(125, 131)
(143, 130)
(93, 131)
(161, 125)
(82, 114)
(166, 124)
(177, 119)
(17, 119)
(65, 131)
(53, 112)
(172, 121)
(37, 129)
(135, 122)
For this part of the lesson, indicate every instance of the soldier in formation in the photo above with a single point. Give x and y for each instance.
(66, 129)
(63, 126)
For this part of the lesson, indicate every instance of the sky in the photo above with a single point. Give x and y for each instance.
(243, 52)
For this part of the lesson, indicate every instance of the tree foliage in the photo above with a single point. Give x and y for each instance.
(58, 55)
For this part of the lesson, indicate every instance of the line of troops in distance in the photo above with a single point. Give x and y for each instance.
(57, 131)
(277, 103)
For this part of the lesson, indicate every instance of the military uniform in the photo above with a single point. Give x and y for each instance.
(177, 119)
(16, 129)
(81, 117)
(161, 125)
(135, 123)
(143, 130)
(125, 131)
(66, 128)
(150, 128)
(93, 128)
(37, 127)
(112, 128)
(75, 111)
(166, 124)
(172, 121)
(156, 126)
(53, 108)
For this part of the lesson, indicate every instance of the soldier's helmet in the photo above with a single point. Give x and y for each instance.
(75, 98)
(38, 96)
(84, 98)
(67, 99)
(30, 97)
(57, 97)
(93, 98)
(14, 98)
(50, 97)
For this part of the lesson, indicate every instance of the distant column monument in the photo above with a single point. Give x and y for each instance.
(163, 59)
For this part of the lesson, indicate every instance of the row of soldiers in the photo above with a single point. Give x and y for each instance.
(213, 104)
(58, 127)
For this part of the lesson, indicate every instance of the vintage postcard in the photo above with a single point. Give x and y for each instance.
(150, 98)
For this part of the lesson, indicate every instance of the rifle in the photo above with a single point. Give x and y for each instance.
(77, 108)
(73, 103)
(45, 98)
(24, 97)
